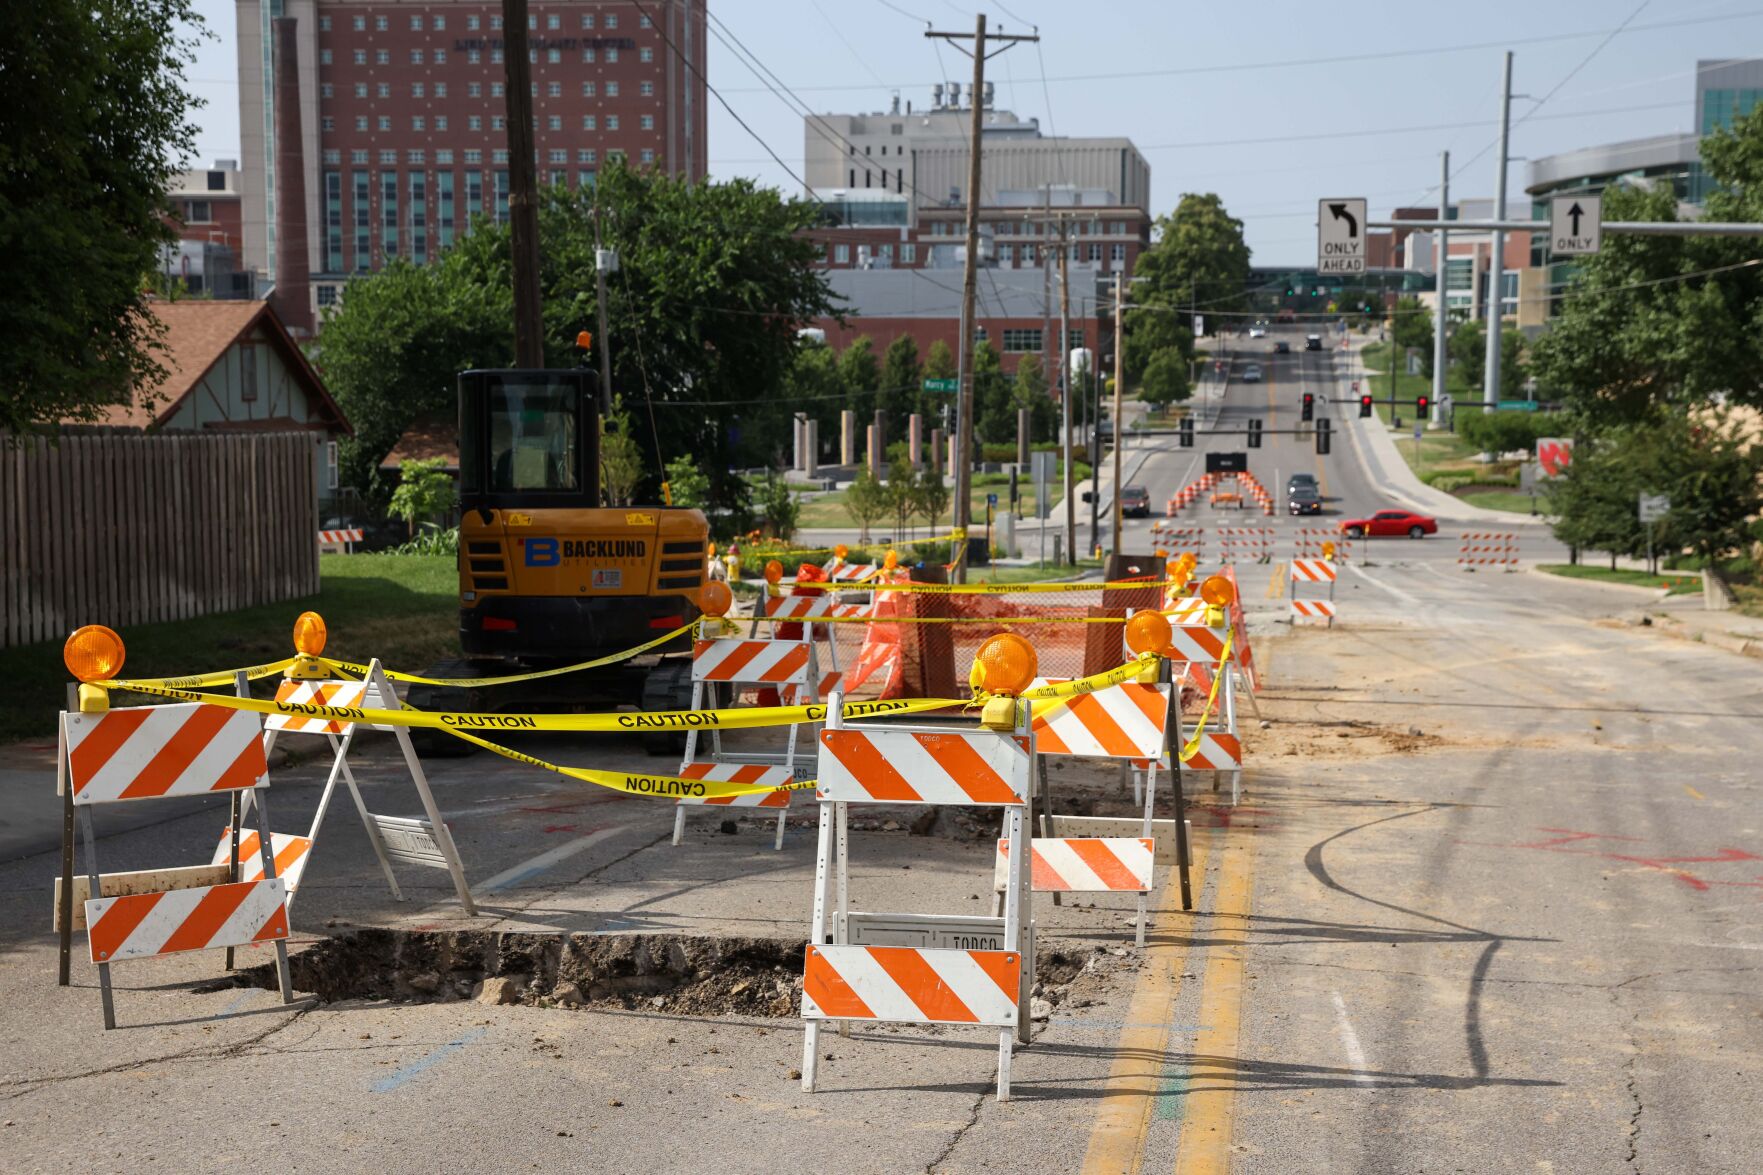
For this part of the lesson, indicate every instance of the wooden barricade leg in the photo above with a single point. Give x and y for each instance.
(235, 802)
(679, 811)
(264, 837)
(1230, 724)
(817, 922)
(842, 857)
(64, 786)
(1174, 728)
(1145, 831)
(96, 889)
(1015, 891)
(443, 836)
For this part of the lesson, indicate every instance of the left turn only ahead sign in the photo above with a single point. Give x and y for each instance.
(1340, 236)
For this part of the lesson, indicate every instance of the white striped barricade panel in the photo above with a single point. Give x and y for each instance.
(911, 985)
(1124, 721)
(1185, 609)
(769, 776)
(1084, 864)
(870, 766)
(138, 926)
(1218, 751)
(146, 752)
(360, 694)
(291, 853)
(1312, 571)
(751, 660)
(1196, 642)
(809, 608)
(851, 572)
(329, 537)
(1313, 610)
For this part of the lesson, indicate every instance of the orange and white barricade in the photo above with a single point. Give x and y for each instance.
(1203, 647)
(977, 971)
(851, 573)
(806, 610)
(1315, 542)
(424, 840)
(1304, 574)
(1495, 548)
(162, 752)
(730, 664)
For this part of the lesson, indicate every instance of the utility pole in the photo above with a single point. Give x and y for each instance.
(970, 276)
(1490, 391)
(1441, 249)
(523, 193)
(1065, 400)
(604, 261)
(1119, 384)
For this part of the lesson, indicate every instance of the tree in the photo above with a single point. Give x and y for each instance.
(712, 286)
(1030, 391)
(899, 384)
(1413, 328)
(1165, 379)
(686, 483)
(939, 363)
(1467, 350)
(1505, 432)
(621, 458)
(813, 385)
(1199, 259)
(994, 409)
(94, 117)
(861, 375)
(932, 495)
(425, 489)
(866, 500)
(779, 507)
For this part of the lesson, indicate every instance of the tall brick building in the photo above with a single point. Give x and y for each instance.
(401, 115)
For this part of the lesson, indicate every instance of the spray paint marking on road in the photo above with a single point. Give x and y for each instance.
(418, 1067)
(1350, 1041)
(527, 870)
(1566, 840)
(1694, 794)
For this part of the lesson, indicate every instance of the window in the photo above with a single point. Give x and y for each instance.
(417, 91)
(444, 158)
(440, 122)
(1117, 253)
(382, 57)
(611, 54)
(474, 89)
(440, 88)
(842, 254)
(587, 20)
(612, 122)
(415, 157)
(554, 90)
(1006, 254)
(497, 122)
(474, 122)
(197, 212)
(587, 89)
(384, 90)
(324, 24)
(474, 57)
(588, 57)
(327, 296)
(325, 90)
(499, 155)
(385, 122)
(358, 157)
(1021, 340)
(388, 157)
(886, 251)
(909, 253)
(379, 24)
(502, 194)
(416, 57)
(361, 89)
(618, 155)
(553, 21)
(1028, 254)
(647, 89)
(558, 155)
(587, 155)
(473, 157)
(648, 122)
(439, 23)
(612, 20)
(473, 24)
(361, 122)
(360, 23)
(645, 54)
(495, 57)
(590, 123)
(612, 89)
(389, 213)
(648, 155)
(1117, 228)
(495, 22)
(584, 179)
(363, 225)
(419, 235)
(328, 124)
(554, 123)
(553, 56)
(333, 222)
(418, 123)
(247, 371)
(361, 57)
(495, 89)
(1095, 252)
(645, 23)
(416, 24)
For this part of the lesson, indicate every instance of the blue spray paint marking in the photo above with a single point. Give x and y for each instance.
(416, 1068)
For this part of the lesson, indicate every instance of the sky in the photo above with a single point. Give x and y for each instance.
(1271, 105)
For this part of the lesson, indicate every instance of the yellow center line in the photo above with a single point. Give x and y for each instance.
(1694, 794)
(1210, 1101)
(1117, 1140)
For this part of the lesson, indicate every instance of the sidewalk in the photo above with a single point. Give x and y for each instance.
(1684, 616)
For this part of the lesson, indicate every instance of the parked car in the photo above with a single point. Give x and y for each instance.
(1390, 523)
(1312, 342)
(1135, 502)
(1300, 480)
(1304, 500)
(1258, 330)
(1252, 374)
(1282, 348)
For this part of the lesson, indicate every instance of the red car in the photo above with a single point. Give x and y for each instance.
(1390, 523)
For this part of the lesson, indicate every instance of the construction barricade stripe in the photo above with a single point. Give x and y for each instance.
(751, 773)
(290, 855)
(741, 660)
(146, 752)
(1196, 642)
(316, 693)
(1312, 571)
(136, 926)
(1080, 864)
(921, 767)
(1216, 752)
(909, 985)
(1122, 722)
(809, 607)
(1313, 609)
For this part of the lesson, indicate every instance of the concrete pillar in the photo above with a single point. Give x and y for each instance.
(939, 451)
(881, 430)
(1022, 437)
(811, 448)
(873, 452)
(847, 437)
(915, 439)
(798, 427)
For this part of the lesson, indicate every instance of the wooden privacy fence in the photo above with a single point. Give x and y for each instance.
(125, 528)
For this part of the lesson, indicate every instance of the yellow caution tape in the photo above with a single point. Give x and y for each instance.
(1005, 589)
(1131, 671)
(217, 677)
(474, 682)
(1192, 746)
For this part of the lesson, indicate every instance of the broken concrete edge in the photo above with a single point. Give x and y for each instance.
(1672, 626)
(686, 974)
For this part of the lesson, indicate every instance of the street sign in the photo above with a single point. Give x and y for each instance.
(1554, 454)
(1340, 236)
(1227, 463)
(1576, 224)
(1199, 325)
(1419, 430)
(942, 385)
(1516, 406)
(1654, 507)
(992, 500)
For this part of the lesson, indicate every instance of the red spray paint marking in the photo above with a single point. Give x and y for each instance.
(1568, 837)
(558, 828)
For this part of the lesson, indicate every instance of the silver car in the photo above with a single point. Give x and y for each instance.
(1252, 374)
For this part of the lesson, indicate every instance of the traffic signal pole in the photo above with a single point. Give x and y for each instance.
(1490, 389)
(523, 191)
(1442, 250)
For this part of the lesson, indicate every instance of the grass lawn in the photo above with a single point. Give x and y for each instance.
(403, 609)
(1031, 573)
(1680, 583)
(1509, 500)
(828, 510)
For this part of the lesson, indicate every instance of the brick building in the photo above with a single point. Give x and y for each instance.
(205, 210)
(400, 130)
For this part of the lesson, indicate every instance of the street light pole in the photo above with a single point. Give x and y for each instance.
(1442, 250)
(1490, 392)
(1119, 384)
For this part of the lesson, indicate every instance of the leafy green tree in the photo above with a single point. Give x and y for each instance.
(1467, 351)
(779, 507)
(813, 385)
(1412, 327)
(1165, 379)
(1505, 432)
(1030, 391)
(1199, 258)
(425, 489)
(931, 495)
(686, 483)
(899, 384)
(95, 113)
(993, 406)
(866, 501)
(1595, 502)
(939, 363)
(621, 458)
(1710, 467)
(861, 375)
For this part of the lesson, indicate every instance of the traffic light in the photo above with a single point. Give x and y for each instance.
(1255, 433)
(1187, 432)
(1365, 405)
(1420, 405)
(1309, 406)
(1322, 438)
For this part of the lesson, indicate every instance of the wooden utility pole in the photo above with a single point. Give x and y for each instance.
(970, 276)
(1119, 386)
(1065, 398)
(523, 189)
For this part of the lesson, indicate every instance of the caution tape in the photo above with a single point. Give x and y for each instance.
(1005, 589)
(636, 784)
(475, 682)
(997, 620)
(759, 552)
(217, 677)
(1192, 747)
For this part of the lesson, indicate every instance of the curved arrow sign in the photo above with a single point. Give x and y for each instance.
(1340, 236)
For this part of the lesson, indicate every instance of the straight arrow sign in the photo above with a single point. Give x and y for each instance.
(1340, 236)
(1576, 225)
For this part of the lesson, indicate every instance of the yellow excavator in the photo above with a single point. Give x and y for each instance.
(550, 577)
